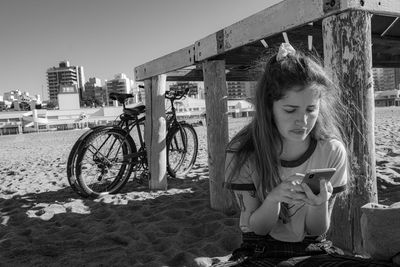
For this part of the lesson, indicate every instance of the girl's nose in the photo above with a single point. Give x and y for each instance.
(302, 120)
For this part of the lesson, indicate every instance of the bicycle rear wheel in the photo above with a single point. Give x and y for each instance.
(102, 166)
(182, 147)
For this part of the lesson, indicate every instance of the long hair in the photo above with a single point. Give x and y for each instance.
(261, 140)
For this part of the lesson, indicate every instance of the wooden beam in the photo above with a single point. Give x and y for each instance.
(348, 57)
(231, 75)
(273, 20)
(173, 61)
(387, 64)
(217, 133)
(155, 131)
(278, 18)
(378, 7)
(377, 39)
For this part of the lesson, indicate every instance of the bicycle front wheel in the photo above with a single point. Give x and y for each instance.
(71, 163)
(102, 166)
(182, 147)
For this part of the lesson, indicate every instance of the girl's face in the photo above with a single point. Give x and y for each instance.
(296, 113)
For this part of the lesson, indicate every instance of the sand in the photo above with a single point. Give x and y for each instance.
(44, 223)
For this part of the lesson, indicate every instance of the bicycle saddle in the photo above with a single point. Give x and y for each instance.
(120, 97)
(135, 111)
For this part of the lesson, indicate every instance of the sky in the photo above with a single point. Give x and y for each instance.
(106, 37)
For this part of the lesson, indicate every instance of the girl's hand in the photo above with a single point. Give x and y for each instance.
(289, 191)
(325, 193)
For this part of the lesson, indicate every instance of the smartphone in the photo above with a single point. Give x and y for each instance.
(313, 177)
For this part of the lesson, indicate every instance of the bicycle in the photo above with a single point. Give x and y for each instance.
(104, 157)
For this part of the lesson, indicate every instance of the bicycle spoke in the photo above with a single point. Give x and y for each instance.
(182, 150)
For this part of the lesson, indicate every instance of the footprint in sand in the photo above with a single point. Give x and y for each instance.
(396, 169)
(392, 154)
(169, 229)
(174, 214)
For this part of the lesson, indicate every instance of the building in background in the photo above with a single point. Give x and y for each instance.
(68, 97)
(94, 93)
(18, 100)
(201, 91)
(120, 84)
(191, 86)
(240, 90)
(386, 78)
(387, 98)
(236, 90)
(397, 78)
(64, 75)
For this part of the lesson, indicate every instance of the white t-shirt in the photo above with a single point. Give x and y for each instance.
(320, 154)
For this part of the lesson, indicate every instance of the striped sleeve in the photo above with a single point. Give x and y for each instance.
(239, 181)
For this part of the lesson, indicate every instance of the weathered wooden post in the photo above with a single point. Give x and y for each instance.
(155, 131)
(348, 56)
(217, 132)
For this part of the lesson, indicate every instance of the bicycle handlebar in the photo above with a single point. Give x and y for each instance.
(172, 95)
(177, 94)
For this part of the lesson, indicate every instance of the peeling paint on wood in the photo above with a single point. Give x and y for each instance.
(173, 61)
(217, 132)
(348, 56)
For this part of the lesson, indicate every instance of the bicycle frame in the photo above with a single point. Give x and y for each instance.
(128, 123)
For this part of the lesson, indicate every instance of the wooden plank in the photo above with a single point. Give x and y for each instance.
(173, 61)
(278, 18)
(147, 129)
(383, 64)
(155, 131)
(348, 57)
(217, 132)
(234, 73)
(379, 7)
(378, 40)
(283, 17)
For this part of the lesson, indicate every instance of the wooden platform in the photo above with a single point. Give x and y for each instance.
(241, 44)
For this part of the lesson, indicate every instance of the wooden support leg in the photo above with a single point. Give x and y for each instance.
(155, 131)
(348, 56)
(217, 132)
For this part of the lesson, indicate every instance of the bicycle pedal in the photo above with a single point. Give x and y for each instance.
(143, 178)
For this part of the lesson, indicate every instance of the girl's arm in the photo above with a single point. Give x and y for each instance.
(259, 217)
(263, 219)
(255, 216)
(318, 217)
(323, 225)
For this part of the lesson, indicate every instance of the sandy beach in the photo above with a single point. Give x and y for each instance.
(44, 223)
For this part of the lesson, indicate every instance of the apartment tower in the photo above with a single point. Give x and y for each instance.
(386, 78)
(120, 84)
(64, 75)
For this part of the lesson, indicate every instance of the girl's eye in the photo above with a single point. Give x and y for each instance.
(290, 110)
(310, 110)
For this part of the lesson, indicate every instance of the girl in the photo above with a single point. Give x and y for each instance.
(296, 127)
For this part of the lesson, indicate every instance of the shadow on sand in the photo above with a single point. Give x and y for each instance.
(133, 228)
